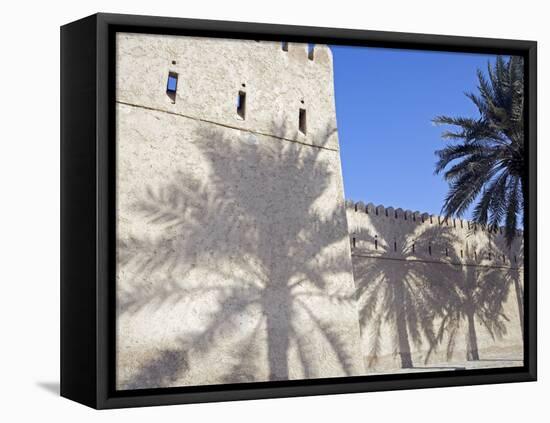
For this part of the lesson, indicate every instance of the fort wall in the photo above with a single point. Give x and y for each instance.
(412, 268)
(234, 260)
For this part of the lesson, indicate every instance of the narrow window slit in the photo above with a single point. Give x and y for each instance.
(310, 51)
(284, 45)
(394, 246)
(172, 86)
(353, 242)
(302, 125)
(376, 242)
(241, 104)
(430, 250)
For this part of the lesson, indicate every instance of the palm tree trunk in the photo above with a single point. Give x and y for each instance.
(404, 347)
(276, 309)
(524, 188)
(472, 353)
(519, 293)
(277, 346)
(402, 332)
(519, 298)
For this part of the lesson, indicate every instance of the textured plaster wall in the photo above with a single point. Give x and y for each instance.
(408, 265)
(211, 72)
(234, 260)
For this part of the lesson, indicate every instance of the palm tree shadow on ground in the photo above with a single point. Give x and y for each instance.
(258, 228)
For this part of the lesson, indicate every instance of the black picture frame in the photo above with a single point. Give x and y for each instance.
(88, 214)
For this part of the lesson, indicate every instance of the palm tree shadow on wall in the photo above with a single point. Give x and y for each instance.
(478, 295)
(417, 286)
(257, 226)
(514, 276)
(397, 292)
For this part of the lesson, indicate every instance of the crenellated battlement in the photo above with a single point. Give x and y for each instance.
(393, 232)
(307, 54)
(417, 217)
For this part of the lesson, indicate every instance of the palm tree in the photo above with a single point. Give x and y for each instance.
(485, 159)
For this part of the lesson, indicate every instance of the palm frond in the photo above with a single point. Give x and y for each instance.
(484, 164)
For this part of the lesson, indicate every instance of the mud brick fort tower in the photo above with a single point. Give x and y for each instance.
(239, 259)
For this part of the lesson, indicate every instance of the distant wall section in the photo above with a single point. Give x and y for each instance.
(412, 268)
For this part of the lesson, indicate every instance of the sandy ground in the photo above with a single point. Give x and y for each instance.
(466, 365)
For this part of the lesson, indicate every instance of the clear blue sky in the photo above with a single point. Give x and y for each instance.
(385, 101)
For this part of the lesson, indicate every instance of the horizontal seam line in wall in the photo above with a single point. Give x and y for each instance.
(434, 262)
(225, 125)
